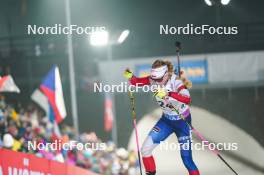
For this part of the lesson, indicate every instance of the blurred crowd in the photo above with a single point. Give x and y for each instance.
(19, 126)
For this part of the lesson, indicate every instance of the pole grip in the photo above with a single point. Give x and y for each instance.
(178, 46)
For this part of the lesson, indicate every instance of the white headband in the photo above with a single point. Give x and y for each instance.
(159, 72)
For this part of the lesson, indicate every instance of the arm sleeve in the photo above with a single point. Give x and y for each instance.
(183, 94)
(139, 81)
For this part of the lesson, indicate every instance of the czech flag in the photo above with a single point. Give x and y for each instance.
(51, 87)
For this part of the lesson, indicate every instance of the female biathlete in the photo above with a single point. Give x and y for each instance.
(173, 90)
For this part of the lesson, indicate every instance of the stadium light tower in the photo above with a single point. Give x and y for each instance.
(217, 2)
(102, 39)
(99, 38)
(208, 2)
(225, 2)
(74, 107)
(123, 36)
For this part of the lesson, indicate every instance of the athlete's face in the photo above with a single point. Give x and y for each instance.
(163, 80)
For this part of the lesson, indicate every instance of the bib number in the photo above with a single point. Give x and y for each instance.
(163, 105)
(166, 106)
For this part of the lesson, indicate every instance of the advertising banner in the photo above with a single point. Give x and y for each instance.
(16, 163)
(196, 70)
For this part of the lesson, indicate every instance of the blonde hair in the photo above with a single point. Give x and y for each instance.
(185, 80)
(159, 63)
(183, 77)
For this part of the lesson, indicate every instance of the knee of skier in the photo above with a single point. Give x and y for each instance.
(146, 152)
(147, 147)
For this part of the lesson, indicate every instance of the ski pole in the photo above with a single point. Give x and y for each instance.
(178, 48)
(215, 151)
(132, 101)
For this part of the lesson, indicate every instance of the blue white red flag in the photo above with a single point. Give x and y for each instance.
(51, 87)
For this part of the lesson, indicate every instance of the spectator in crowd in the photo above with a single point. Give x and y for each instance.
(29, 124)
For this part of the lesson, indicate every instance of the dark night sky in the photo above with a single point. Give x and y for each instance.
(143, 18)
